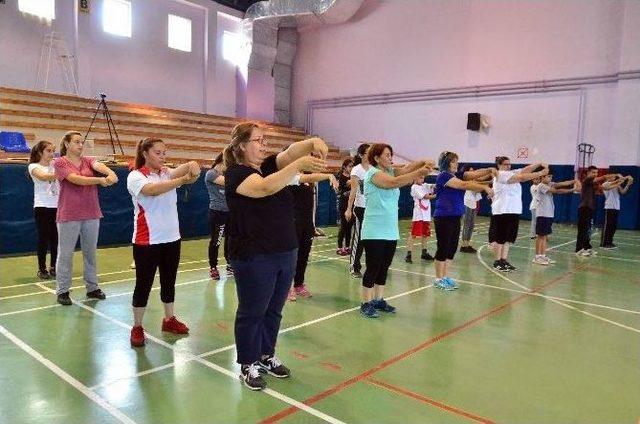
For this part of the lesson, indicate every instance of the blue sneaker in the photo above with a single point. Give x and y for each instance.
(451, 283)
(382, 305)
(442, 284)
(368, 310)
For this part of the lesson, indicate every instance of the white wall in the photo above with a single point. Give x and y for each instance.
(392, 46)
(141, 69)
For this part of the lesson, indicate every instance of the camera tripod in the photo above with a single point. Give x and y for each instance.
(102, 107)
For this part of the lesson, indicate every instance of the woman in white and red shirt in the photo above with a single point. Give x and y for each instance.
(78, 214)
(156, 231)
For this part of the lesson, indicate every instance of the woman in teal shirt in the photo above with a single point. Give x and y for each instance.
(380, 227)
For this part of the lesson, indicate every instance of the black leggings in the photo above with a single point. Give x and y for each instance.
(344, 233)
(305, 234)
(217, 223)
(356, 243)
(379, 255)
(148, 258)
(47, 236)
(583, 240)
(447, 234)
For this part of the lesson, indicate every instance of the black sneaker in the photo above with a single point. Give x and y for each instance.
(52, 272)
(426, 256)
(273, 366)
(250, 376)
(508, 265)
(407, 258)
(64, 299)
(44, 275)
(96, 294)
(467, 249)
(382, 305)
(499, 266)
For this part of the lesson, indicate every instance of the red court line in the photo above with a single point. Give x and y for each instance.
(422, 398)
(353, 380)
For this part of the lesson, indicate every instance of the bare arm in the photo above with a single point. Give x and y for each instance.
(384, 180)
(532, 167)
(256, 186)
(190, 167)
(155, 189)
(111, 177)
(314, 178)
(527, 176)
(478, 174)
(302, 148)
(86, 181)
(42, 175)
(414, 166)
(459, 184)
(354, 182)
(598, 180)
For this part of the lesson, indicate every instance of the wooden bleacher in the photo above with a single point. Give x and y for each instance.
(189, 135)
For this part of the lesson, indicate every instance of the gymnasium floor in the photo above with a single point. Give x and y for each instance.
(550, 344)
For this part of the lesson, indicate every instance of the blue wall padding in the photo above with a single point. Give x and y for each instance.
(18, 232)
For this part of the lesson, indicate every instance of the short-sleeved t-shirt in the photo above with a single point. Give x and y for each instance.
(217, 200)
(449, 200)
(611, 196)
(534, 193)
(381, 214)
(421, 206)
(76, 202)
(471, 199)
(45, 193)
(155, 218)
(507, 197)
(258, 225)
(360, 200)
(544, 201)
(588, 194)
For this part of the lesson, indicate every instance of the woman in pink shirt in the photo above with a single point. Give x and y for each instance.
(78, 214)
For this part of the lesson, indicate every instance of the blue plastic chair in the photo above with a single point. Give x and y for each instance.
(13, 142)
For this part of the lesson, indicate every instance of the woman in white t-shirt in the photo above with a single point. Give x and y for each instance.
(507, 206)
(532, 205)
(356, 206)
(156, 231)
(45, 205)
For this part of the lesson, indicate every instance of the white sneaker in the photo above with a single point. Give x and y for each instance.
(592, 252)
(540, 260)
(583, 253)
(551, 261)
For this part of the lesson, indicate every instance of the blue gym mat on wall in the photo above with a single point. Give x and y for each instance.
(18, 231)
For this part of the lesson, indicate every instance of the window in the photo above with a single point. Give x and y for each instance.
(43, 8)
(116, 17)
(179, 33)
(235, 48)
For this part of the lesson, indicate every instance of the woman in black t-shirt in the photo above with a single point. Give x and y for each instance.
(262, 241)
(344, 188)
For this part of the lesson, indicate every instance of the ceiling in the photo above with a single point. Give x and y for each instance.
(240, 5)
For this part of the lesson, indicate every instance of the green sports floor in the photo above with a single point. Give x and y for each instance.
(556, 344)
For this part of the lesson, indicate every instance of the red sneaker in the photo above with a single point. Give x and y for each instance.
(137, 336)
(172, 325)
(214, 274)
(302, 291)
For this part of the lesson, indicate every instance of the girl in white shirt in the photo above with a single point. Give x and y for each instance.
(45, 205)
(532, 205)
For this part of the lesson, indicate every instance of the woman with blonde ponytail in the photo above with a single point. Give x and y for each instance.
(78, 214)
(262, 241)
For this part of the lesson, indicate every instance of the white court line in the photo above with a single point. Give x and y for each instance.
(626, 327)
(94, 397)
(229, 373)
(598, 256)
(232, 346)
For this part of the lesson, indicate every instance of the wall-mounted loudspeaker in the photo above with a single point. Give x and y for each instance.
(473, 121)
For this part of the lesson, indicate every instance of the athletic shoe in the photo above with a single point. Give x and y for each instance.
(583, 253)
(274, 367)
(340, 251)
(426, 257)
(302, 291)
(407, 258)
(348, 250)
(96, 294)
(508, 265)
(382, 305)
(64, 299)
(214, 274)
(172, 325)
(250, 376)
(291, 297)
(499, 266)
(44, 275)
(540, 260)
(592, 252)
(609, 246)
(467, 249)
(229, 271)
(442, 284)
(451, 283)
(356, 274)
(52, 272)
(533, 237)
(137, 336)
(368, 310)
(133, 265)
(551, 261)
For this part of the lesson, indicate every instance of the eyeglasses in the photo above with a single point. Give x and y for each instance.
(260, 140)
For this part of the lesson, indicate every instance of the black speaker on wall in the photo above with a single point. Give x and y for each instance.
(473, 121)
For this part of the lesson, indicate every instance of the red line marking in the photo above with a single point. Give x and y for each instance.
(422, 398)
(222, 326)
(300, 355)
(330, 366)
(353, 380)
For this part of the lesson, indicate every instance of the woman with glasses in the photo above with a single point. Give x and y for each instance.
(451, 185)
(78, 214)
(506, 206)
(262, 241)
